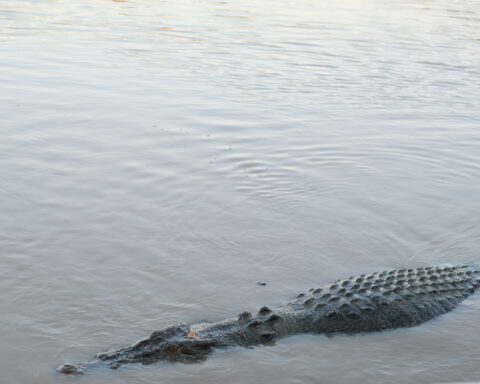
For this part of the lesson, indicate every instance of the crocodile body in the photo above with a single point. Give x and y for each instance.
(366, 303)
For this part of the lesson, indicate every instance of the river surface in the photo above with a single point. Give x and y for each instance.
(159, 158)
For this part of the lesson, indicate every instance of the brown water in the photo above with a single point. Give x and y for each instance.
(159, 158)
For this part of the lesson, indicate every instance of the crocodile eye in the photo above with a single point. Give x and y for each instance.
(173, 348)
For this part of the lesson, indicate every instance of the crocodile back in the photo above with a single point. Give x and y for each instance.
(389, 299)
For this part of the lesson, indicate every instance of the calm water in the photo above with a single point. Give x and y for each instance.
(159, 158)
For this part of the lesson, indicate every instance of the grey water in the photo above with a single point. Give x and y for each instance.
(159, 158)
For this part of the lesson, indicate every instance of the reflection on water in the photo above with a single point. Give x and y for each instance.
(159, 158)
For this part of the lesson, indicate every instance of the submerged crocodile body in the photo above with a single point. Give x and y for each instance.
(367, 303)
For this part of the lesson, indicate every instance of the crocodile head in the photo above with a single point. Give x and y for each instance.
(176, 343)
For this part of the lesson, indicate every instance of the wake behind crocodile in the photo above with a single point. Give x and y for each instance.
(366, 303)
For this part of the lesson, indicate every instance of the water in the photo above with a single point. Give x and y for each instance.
(159, 158)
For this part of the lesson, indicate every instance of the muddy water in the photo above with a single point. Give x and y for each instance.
(159, 158)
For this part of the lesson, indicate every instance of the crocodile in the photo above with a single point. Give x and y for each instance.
(361, 304)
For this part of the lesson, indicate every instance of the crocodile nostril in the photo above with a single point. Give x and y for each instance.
(69, 369)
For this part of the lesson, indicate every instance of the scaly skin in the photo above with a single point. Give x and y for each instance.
(366, 303)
